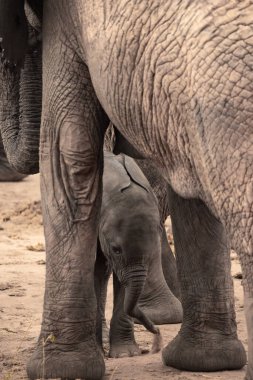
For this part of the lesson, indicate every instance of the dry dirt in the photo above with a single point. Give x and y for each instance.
(22, 268)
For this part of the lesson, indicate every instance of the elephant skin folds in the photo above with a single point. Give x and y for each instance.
(176, 79)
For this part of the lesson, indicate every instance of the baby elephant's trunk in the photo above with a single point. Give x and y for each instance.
(134, 283)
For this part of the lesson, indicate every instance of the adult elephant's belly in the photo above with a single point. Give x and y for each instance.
(144, 117)
(129, 71)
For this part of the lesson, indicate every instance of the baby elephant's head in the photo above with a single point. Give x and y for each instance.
(129, 233)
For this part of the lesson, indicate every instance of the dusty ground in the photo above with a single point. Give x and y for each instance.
(22, 268)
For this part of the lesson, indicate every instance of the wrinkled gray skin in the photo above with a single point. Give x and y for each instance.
(160, 188)
(176, 79)
(130, 238)
(20, 103)
(7, 173)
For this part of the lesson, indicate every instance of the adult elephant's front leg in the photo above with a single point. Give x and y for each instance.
(71, 170)
(208, 339)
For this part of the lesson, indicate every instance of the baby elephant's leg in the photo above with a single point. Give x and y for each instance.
(122, 341)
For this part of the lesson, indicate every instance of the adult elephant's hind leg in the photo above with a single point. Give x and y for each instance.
(208, 339)
(71, 171)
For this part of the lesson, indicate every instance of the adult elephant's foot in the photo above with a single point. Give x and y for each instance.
(84, 361)
(210, 352)
(119, 350)
(160, 305)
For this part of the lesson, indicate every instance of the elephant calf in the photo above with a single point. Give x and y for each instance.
(130, 239)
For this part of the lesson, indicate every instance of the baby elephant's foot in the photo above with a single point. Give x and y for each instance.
(124, 350)
(205, 353)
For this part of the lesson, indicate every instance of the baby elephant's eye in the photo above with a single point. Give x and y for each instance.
(116, 250)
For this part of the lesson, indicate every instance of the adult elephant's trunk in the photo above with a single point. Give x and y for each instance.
(134, 283)
(7, 173)
(20, 112)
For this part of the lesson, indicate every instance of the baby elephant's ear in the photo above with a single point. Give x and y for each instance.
(136, 174)
(13, 31)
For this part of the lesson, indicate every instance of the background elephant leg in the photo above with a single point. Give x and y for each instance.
(208, 339)
(160, 188)
(72, 132)
(169, 266)
(122, 341)
(156, 300)
(102, 275)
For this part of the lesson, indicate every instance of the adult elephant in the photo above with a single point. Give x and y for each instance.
(176, 78)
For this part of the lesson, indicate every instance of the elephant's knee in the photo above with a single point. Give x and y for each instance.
(80, 168)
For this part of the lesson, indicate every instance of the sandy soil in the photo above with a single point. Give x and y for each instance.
(22, 268)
